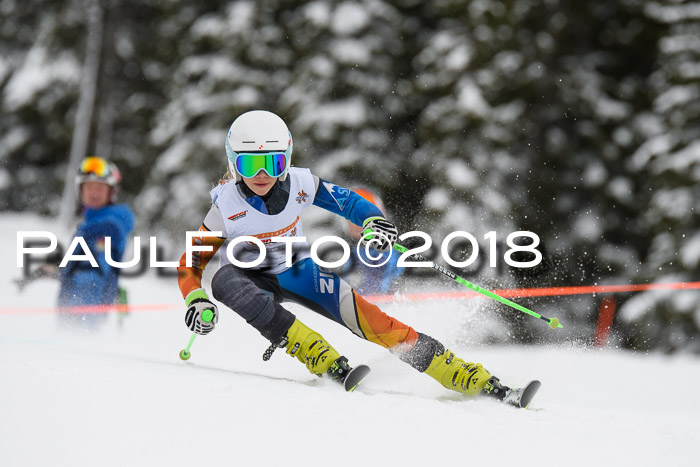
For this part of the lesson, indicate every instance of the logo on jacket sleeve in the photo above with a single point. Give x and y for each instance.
(339, 194)
(303, 196)
(239, 215)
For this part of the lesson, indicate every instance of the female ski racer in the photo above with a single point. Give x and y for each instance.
(263, 197)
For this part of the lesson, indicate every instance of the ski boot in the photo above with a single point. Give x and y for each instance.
(310, 348)
(320, 358)
(456, 374)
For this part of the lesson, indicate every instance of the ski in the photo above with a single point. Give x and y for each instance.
(355, 377)
(521, 397)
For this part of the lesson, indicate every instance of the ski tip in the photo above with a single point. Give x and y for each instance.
(529, 393)
(355, 377)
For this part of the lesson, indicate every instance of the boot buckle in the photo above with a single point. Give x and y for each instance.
(270, 350)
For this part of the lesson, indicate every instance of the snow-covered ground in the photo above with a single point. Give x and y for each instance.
(121, 396)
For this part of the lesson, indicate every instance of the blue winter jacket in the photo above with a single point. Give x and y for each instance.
(353, 207)
(374, 280)
(82, 284)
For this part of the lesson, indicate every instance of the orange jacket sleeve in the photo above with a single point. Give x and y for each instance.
(189, 279)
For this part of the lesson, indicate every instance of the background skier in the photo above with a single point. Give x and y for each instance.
(82, 285)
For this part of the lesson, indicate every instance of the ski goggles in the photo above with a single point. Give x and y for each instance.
(249, 164)
(95, 165)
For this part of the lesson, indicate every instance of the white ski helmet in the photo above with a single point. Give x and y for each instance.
(259, 132)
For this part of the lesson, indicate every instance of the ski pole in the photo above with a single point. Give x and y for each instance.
(553, 322)
(207, 316)
(185, 353)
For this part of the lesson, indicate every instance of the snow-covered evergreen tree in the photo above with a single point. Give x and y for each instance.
(668, 164)
(575, 120)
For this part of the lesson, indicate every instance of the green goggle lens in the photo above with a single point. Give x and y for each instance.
(248, 165)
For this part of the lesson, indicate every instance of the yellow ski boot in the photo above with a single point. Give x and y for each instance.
(456, 374)
(427, 355)
(311, 349)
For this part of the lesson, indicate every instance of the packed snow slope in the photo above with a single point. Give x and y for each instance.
(121, 396)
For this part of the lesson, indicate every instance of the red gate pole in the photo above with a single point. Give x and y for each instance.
(605, 321)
